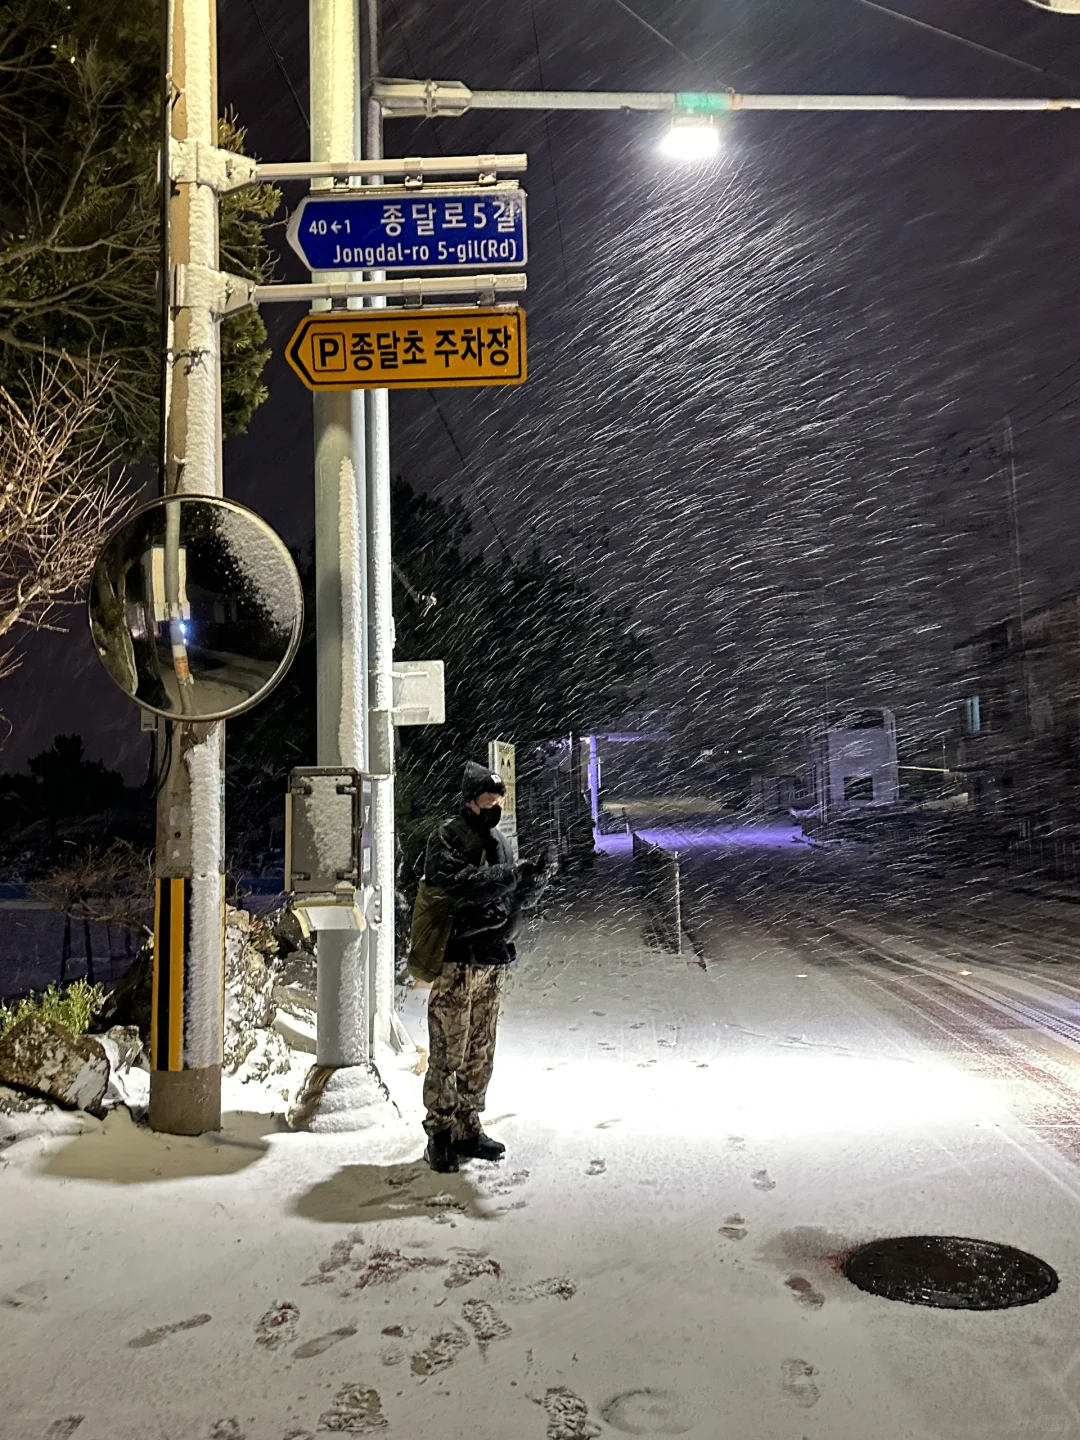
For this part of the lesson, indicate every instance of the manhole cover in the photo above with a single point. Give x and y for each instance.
(950, 1272)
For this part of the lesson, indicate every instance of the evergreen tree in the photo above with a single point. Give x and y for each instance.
(79, 212)
(531, 655)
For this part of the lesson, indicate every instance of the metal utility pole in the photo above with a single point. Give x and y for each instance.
(381, 626)
(187, 1022)
(340, 525)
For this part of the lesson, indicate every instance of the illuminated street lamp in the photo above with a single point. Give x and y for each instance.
(692, 138)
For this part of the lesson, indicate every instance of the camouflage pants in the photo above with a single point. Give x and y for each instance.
(463, 1012)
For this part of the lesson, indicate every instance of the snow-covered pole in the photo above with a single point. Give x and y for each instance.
(340, 525)
(381, 633)
(401, 97)
(187, 1021)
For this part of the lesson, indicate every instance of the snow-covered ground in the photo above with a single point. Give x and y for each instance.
(690, 1149)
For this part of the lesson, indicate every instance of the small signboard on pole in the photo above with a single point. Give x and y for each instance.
(419, 692)
(502, 759)
(410, 349)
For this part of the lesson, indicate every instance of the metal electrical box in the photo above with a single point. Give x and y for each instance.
(323, 847)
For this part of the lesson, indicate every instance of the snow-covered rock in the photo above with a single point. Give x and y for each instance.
(269, 1007)
(46, 1059)
(249, 990)
(129, 1070)
(24, 1116)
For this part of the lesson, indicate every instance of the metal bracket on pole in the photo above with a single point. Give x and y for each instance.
(415, 290)
(200, 287)
(421, 97)
(192, 162)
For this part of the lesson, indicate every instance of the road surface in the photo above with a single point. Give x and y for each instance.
(695, 1142)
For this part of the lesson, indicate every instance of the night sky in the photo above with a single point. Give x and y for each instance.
(753, 386)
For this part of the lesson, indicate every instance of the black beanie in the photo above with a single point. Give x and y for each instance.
(479, 780)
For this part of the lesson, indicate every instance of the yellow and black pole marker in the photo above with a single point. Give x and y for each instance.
(172, 937)
(188, 1007)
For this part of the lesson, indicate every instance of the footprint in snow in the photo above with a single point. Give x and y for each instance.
(761, 1180)
(568, 1416)
(61, 1429)
(501, 1183)
(278, 1326)
(322, 1343)
(736, 1142)
(485, 1324)
(162, 1332)
(805, 1292)
(607, 1124)
(560, 1286)
(647, 1412)
(27, 1297)
(356, 1410)
(734, 1228)
(440, 1352)
(596, 1167)
(796, 1381)
(226, 1429)
(469, 1266)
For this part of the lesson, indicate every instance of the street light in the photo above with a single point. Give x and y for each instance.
(691, 137)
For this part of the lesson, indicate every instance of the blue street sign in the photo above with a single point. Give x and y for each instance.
(381, 227)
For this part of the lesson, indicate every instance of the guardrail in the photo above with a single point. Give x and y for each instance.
(656, 871)
(1048, 858)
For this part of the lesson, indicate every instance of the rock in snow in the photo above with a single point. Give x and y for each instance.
(46, 1059)
(129, 1070)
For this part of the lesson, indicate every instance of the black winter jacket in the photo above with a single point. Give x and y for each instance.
(473, 863)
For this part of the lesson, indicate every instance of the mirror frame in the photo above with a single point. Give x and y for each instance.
(160, 502)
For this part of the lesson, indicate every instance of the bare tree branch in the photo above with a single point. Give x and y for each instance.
(61, 492)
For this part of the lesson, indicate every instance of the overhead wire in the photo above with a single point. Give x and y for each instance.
(280, 63)
(465, 469)
(550, 154)
(666, 39)
(467, 472)
(963, 40)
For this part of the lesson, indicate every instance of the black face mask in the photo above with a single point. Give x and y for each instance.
(488, 819)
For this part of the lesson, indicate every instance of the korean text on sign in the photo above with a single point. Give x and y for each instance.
(411, 349)
(403, 233)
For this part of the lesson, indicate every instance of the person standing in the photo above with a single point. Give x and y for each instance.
(469, 860)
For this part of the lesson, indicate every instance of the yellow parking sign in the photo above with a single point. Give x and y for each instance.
(410, 349)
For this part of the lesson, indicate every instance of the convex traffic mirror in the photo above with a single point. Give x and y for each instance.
(196, 608)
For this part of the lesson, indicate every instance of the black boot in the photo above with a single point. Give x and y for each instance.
(440, 1153)
(480, 1147)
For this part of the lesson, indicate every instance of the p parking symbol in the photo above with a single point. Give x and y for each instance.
(329, 353)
